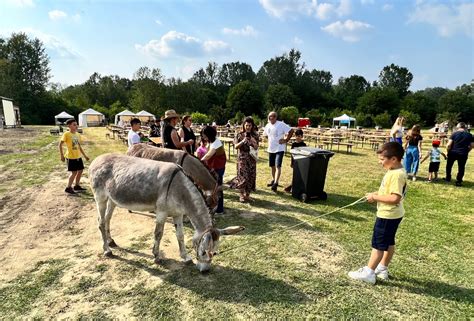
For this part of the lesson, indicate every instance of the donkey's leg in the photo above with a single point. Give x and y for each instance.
(178, 224)
(160, 224)
(108, 217)
(101, 209)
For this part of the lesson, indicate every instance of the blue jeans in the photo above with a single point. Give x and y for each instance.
(220, 203)
(412, 159)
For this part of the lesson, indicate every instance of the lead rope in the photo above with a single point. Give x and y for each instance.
(360, 200)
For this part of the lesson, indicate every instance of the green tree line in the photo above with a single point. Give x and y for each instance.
(229, 91)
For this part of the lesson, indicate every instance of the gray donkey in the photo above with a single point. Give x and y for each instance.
(205, 178)
(146, 185)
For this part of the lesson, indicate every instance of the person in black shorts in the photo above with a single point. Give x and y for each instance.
(73, 156)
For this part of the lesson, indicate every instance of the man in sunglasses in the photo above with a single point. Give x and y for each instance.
(276, 130)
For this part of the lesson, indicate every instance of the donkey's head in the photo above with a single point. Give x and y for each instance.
(212, 197)
(207, 243)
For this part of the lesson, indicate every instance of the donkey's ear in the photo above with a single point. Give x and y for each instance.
(231, 230)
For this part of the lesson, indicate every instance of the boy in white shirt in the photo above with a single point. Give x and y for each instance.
(276, 130)
(133, 133)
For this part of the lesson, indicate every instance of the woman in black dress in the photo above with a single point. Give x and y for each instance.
(186, 133)
(169, 135)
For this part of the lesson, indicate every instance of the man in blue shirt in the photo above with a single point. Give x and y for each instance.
(459, 145)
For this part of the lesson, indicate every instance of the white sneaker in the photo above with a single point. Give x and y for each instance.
(363, 274)
(414, 178)
(381, 274)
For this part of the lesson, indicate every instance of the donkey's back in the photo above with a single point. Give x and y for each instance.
(131, 182)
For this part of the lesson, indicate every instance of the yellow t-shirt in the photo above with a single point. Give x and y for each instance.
(72, 143)
(394, 182)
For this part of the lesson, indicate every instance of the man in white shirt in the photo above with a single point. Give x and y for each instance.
(276, 130)
(133, 137)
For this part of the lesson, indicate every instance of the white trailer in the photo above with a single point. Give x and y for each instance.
(9, 114)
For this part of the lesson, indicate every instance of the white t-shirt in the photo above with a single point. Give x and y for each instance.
(275, 132)
(133, 138)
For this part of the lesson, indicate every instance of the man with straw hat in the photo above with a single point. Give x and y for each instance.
(169, 134)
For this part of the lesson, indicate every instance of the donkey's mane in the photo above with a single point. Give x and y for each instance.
(210, 170)
(194, 183)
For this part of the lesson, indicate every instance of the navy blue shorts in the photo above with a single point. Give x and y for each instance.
(275, 159)
(384, 233)
(74, 165)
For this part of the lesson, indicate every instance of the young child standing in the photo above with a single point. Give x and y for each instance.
(73, 156)
(435, 159)
(297, 143)
(390, 212)
(202, 149)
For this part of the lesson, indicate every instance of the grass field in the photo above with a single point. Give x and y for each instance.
(295, 273)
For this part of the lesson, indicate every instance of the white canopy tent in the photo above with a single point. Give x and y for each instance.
(125, 115)
(90, 118)
(145, 116)
(344, 119)
(62, 117)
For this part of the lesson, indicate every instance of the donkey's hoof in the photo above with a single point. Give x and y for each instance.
(112, 243)
(188, 260)
(158, 261)
(108, 254)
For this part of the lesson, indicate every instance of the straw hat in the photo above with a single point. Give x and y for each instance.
(170, 114)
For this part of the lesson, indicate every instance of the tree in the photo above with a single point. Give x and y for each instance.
(458, 101)
(200, 118)
(349, 90)
(246, 98)
(283, 69)
(378, 100)
(396, 77)
(422, 105)
(383, 120)
(316, 117)
(411, 118)
(231, 74)
(278, 96)
(290, 115)
(206, 77)
(24, 74)
(314, 89)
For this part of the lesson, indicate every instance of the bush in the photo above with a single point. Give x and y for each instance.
(383, 120)
(290, 115)
(200, 118)
(410, 118)
(316, 117)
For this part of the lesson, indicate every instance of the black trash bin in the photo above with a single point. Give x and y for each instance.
(309, 172)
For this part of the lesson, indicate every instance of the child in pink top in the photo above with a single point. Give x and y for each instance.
(202, 150)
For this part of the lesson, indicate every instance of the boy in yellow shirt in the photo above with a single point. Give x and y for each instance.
(73, 156)
(390, 212)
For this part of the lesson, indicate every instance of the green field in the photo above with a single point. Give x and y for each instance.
(296, 273)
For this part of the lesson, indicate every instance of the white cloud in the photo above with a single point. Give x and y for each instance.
(387, 7)
(349, 30)
(57, 15)
(21, 3)
(297, 41)
(55, 47)
(179, 44)
(293, 8)
(246, 31)
(447, 19)
(158, 22)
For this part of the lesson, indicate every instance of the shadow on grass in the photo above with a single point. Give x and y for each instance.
(236, 286)
(433, 288)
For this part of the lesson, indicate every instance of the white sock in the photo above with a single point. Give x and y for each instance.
(370, 270)
(381, 267)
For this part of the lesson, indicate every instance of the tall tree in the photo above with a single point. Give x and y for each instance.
(283, 69)
(396, 77)
(246, 98)
(349, 90)
(231, 74)
(279, 96)
(24, 70)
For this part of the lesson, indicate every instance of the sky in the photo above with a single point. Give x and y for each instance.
(433, 39)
